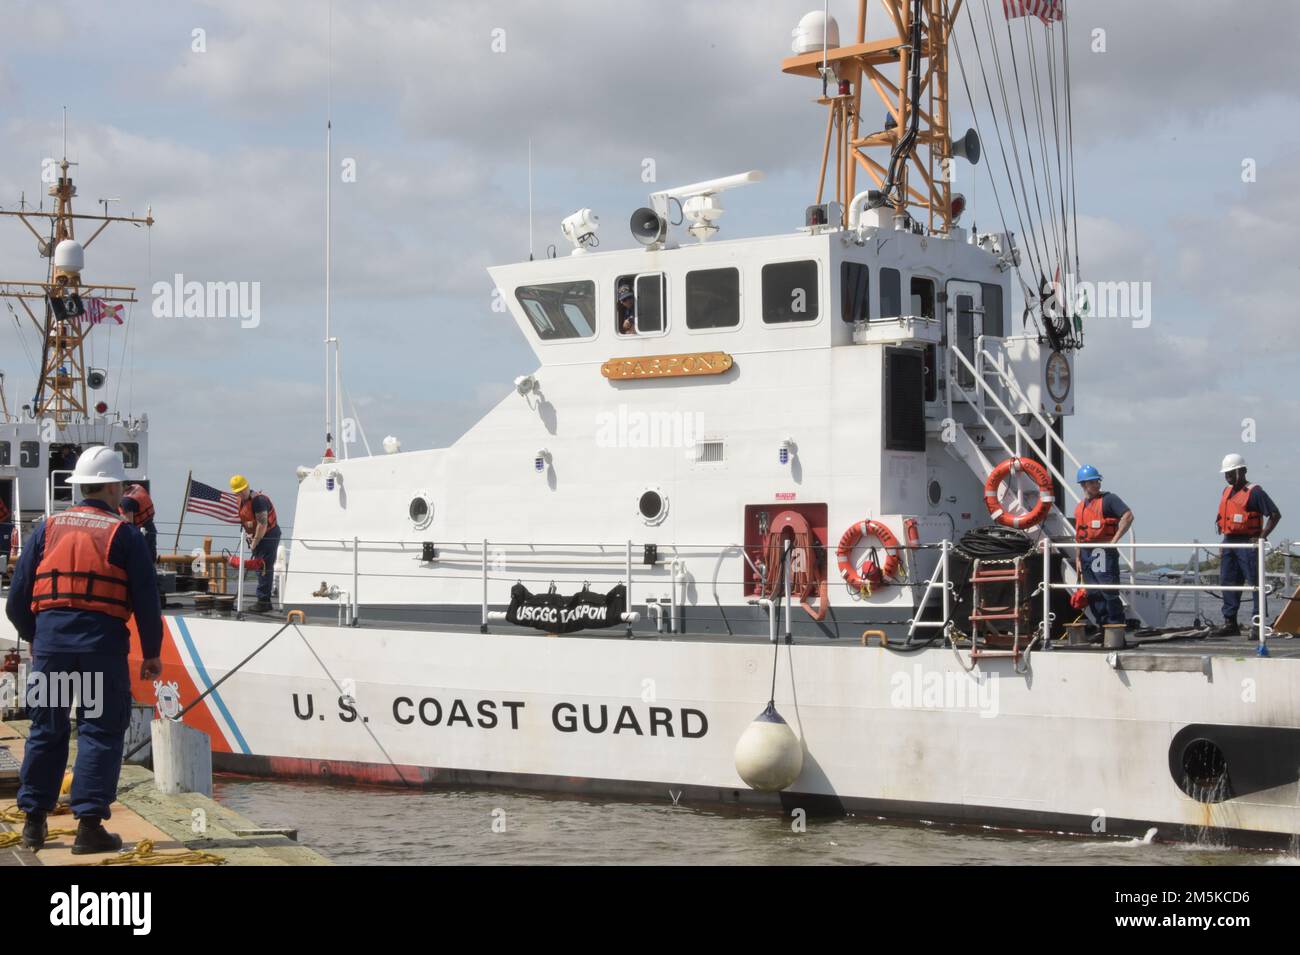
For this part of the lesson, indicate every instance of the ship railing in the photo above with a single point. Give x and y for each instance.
(57, 491)
(987, 363)
(1259, 622)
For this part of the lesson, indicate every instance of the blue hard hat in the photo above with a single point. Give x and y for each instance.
(1087, 473)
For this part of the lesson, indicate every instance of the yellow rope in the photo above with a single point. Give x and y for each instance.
(142, 854)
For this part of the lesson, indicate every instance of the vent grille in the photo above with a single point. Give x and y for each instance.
(904, 401)
(711, 452)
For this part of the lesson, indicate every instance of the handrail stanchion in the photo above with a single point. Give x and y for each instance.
(629, 584)
(943, 556)
(355, 577)
(482, 627)
(787, 590)
(1261, 584)
(239, 586)
(1047, 591)
(1196, 573)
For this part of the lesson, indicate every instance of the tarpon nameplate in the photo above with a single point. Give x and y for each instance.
(667, 366)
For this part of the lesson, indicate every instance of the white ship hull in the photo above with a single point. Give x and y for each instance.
(1073, 744)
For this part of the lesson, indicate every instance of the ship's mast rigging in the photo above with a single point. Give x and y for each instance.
(909, 160)
(61, 389)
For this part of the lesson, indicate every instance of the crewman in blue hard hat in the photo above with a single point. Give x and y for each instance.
(1100, 518)
(84, 573)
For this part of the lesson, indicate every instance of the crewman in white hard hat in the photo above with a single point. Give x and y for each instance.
(1245, 515)
(84, 573)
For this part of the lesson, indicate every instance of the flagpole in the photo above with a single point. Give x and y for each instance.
(189, 479)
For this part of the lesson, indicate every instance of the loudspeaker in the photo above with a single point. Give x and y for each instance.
(96, 377)
(648, 227)
(968, 147)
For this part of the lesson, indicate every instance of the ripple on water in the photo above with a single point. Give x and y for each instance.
(380, 826)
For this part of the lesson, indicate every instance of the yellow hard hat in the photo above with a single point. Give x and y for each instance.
(238, 483)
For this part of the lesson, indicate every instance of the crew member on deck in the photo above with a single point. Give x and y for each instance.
(626, 310)
(1245, 515)
(5, 528)
(83, 574)
(1100, 518)
(257, 515)
(137, 509)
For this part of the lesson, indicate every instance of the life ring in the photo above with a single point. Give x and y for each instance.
(1045, 495)
(844, 555)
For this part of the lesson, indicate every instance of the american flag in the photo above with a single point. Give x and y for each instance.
(1045, 10)
(97, 310)
(204, 499)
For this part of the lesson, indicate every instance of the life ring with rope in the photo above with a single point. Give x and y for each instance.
(1040, 477)
(869, 577)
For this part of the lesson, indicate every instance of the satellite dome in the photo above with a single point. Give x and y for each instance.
(69, 256)
(816, 31)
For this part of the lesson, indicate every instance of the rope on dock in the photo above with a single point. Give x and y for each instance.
(142, 854)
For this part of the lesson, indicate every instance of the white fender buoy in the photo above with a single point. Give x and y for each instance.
(769, 756)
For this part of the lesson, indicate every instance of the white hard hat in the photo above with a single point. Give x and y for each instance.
(1231, 462)
(98, 465)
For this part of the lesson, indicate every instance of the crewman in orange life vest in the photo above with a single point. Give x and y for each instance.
(257, 515)
(1100, 518)
(1241, 520)
(84, 573)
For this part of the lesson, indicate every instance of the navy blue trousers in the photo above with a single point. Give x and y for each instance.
(103, 715)
(1106, 605)
(1238, 566)
(266, 550)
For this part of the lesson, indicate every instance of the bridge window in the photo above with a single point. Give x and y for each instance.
(922, 297)
(855, 284)
(641, 312)
(130, 451)
(790, 292)
(560, 310)
(713, 298)
(994, 321)
(891, 294)
(29, 454)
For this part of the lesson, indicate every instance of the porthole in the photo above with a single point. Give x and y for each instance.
(420, 511)
(652, 506)
(936, 492)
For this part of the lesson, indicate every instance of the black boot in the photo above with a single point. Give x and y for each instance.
(93, 837)
(1229, 629)
(262, 606)
(35, 831)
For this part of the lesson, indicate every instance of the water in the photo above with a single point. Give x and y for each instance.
(376, 826)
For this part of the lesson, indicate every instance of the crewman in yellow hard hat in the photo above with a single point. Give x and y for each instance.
(257, 515)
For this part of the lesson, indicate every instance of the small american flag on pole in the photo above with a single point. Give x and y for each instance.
(1045, 10)
(204, 499)
(97, 310)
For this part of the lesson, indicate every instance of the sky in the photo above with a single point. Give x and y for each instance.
(213, 115)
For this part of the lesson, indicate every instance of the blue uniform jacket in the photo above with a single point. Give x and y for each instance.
(65, 630)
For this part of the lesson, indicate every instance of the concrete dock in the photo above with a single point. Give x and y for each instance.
(184, 829)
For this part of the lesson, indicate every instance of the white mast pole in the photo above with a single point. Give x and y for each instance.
(329, 162)
(530, 200)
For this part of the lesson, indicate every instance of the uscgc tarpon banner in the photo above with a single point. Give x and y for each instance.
(556, 613)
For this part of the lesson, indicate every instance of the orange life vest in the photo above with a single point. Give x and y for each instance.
(1234, 517)
(143, 505)
(1091, 523)
(74, 571)
(249, 520)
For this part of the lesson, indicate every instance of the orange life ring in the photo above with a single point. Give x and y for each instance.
(1045, 495)
(844, 555)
